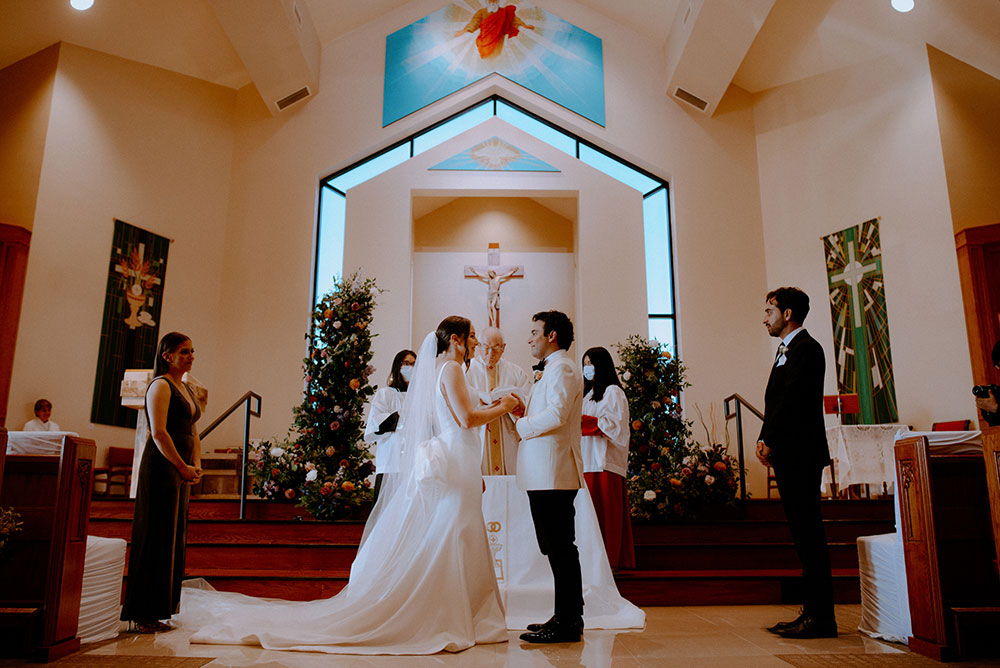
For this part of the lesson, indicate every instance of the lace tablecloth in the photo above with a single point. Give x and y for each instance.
(862, 454)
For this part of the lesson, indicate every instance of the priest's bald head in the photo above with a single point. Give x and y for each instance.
(491, 346)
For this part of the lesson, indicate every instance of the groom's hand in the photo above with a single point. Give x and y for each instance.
(518, 411)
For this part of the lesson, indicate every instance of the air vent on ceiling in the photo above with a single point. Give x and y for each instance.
(289, 100)
(693, 100)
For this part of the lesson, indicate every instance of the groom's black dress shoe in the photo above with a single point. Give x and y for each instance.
(781, 626)
(534, 628)
(810, 627)
(554, 632)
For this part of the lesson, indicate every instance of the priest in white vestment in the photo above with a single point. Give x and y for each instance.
(491, 377)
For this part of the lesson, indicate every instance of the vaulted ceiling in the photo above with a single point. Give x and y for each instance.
(789, 41)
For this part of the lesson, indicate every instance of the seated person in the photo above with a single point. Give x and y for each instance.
(41, 422)
(988, 404)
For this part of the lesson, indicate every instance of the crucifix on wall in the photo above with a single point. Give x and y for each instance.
(494, 275)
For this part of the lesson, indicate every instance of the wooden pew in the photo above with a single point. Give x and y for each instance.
(41, 577)
(951, 578)
(991, 452)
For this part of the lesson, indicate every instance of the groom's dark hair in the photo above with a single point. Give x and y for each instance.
(558, 322)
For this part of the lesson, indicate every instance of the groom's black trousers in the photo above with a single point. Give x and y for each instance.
(554, 517)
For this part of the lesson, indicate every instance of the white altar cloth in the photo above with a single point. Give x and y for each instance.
(862, 454)
(100, 599)
(36, 442)
(523, 574)
(885, 604)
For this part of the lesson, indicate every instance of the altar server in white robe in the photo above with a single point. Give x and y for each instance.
(41, 421)
(489, 373)
(604, 446)
(383, 415)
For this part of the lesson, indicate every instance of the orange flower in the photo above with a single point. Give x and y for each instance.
(675, 482)
(637, 424)
(355, 383)
(719, 466)
(328, 314)
(347, 486)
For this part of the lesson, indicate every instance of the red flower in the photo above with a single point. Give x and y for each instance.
(685, 471)
(344, 463)
(324, 490)
(679, 509)
(719, 466)
(275, 472)
(355, 306)
(335, 425)
(643, 449)
(289, 493)
(655, 466)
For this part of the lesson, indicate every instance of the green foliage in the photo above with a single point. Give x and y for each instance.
(670, 475)
(323, 463)
(10, 524)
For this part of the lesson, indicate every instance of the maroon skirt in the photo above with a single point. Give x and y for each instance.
(610, 495)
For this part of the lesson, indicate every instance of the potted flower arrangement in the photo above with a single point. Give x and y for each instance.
(671, 476)
(323, 465)
(10, 524)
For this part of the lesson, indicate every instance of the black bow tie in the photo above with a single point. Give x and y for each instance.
(539, 367)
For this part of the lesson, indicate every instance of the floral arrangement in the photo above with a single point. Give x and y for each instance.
(323, 463)
(10, 524)
(670, 475)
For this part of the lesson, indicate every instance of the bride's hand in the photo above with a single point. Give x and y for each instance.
(509, 402)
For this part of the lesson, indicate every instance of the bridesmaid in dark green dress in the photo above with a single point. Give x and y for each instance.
(171, 461)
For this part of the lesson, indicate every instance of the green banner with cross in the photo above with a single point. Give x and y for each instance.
(860, 323)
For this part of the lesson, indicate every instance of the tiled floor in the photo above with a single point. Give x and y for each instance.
(721, 637)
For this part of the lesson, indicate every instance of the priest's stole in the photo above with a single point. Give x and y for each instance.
(860, 323)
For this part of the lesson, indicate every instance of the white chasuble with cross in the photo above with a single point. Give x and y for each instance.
(499, 436)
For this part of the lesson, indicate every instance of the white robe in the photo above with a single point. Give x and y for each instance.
(502, 433)
(387, 400)
(35, 424)
(608, 451)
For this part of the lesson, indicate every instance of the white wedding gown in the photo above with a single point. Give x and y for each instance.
(422, 581)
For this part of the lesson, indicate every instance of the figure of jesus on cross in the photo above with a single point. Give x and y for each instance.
(494, 276)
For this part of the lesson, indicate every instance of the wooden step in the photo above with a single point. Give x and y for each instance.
(261, 532)
(736, 556)
(727, 587)
(753, 531)
(317, 557)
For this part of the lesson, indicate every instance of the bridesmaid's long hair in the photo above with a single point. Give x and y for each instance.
(604, 372)
(168, 344)
(453, 324)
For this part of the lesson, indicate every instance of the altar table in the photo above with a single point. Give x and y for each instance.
(862, 454)
(523, 574)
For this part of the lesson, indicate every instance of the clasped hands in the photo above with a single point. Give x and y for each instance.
(512, 404)
(763, 453)
(191, 474)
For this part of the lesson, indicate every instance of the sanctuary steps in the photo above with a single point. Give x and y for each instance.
(721, 560)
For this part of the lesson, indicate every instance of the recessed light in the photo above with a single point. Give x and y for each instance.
(902, 5)
(81, 4)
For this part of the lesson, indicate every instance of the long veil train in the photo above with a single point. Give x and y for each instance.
(422, 581)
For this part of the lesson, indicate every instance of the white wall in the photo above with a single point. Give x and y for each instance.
(843, 148)
(146, 146)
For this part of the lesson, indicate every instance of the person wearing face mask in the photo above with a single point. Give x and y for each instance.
(492, 377)
(604, 446)
(383, 415)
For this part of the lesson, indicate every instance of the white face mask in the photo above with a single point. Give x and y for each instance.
(406, 372)
(588, 372)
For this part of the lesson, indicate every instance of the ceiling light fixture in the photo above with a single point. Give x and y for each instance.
(82, 5)
(902, 5)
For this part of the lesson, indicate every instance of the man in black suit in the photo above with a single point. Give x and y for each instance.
(793, 443)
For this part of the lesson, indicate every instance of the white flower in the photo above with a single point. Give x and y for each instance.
(276, 451)
(626, 376)
(709, 480)
(312, 475)
(688, 460)
(649, 495)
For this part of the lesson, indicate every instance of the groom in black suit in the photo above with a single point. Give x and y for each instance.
(793, 443)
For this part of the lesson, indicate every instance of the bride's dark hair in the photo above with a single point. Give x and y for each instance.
(453, 324)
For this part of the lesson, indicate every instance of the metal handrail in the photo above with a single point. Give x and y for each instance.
(735, 412)
(244, 400)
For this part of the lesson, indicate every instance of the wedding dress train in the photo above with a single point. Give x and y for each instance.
(422, 581)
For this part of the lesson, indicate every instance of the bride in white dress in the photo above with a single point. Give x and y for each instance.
(423, 579)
